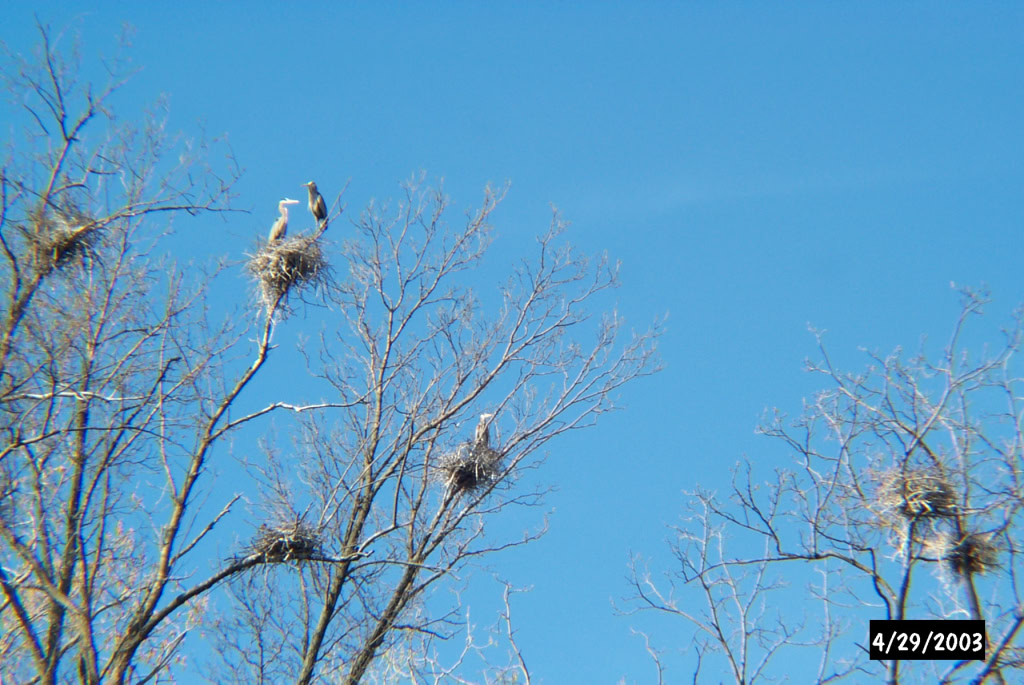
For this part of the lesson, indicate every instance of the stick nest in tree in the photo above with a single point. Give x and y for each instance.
(975, 553)
(288, 265)
(60, 239)
(287, 542)
(470, 467)
(916, 493)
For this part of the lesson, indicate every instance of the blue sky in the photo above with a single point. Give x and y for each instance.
(755, 167)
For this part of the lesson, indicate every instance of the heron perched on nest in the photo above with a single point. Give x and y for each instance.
(317, 206)
(474, 464)
(280, 227)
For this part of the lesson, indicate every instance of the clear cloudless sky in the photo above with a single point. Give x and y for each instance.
(756, 167)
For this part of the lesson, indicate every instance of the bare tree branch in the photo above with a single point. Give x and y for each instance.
(900, 493)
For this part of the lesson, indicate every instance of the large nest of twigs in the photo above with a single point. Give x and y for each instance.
(974, 553)
(295, 541)
(470, 467)
(286, 266)
(916, 493)
(60, 239)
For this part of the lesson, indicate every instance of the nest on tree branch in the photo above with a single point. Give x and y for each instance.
(974, 553)
(62, 238)
(294, 541)
(470, 467)
(287, 266)
(916, 493)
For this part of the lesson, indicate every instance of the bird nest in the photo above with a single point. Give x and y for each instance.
(916, 493)
(284, 266)
(975, 553)
(58, 241)
(470, 467)
(294, 541)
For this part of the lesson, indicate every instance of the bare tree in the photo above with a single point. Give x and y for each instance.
(899, 500)
(401, 488)
(108, 417)
(119, 395)
(487, 655)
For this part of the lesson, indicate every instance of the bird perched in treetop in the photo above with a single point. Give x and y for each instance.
(317, 206)
(280, 227)
(483, 430)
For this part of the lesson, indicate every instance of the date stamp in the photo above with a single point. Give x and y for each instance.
(933, 639)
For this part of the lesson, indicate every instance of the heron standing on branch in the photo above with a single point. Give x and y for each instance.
(483, 430)
(280, 227)
(317, 206)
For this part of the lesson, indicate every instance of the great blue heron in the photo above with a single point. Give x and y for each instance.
(280, 226)
(317, 206)
(483, 430)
